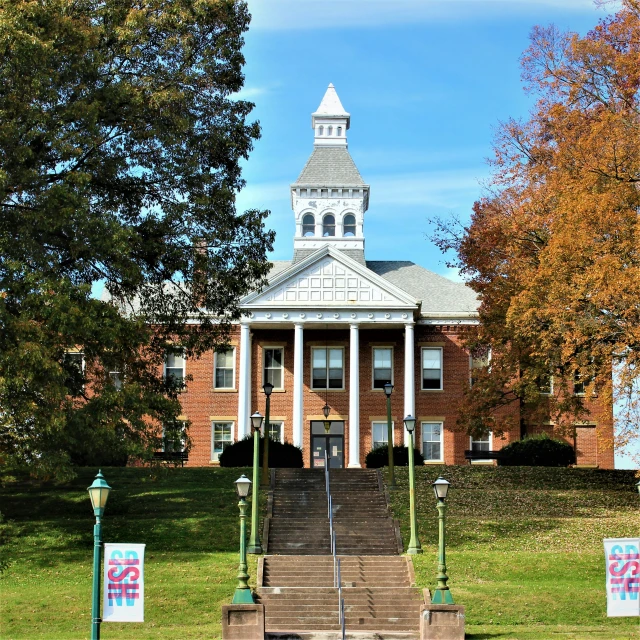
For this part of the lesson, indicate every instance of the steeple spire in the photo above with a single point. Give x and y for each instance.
(330, 121)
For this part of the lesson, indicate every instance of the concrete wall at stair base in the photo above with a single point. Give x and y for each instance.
(441, 622)
(243, 622)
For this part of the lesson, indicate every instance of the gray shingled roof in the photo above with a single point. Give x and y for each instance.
(330, 167)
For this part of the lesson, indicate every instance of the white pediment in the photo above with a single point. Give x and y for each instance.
(329, 278)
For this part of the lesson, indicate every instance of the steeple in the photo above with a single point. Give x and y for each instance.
(330, 121)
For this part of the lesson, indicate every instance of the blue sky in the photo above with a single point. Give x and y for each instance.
(426, 83)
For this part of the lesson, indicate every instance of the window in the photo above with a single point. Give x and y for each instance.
(327, 368)
(174, 436)
(339, 131)
(432, 368)
(174, 365)
(349, 226)
(221, 438)
(276, 430)
(328, 226)
(382, 367)
(73, 364)
(545, 384)
(115, 378)
(432, 444)
(477, 364)
(273, 363)
(580, 384)
(481, 444)
(224, 369)
(320, 130)
(379, 434)
(329, 130)
(308, 225)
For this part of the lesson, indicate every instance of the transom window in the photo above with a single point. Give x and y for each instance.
(432, 441)
(221, 438)
(174, 367)
(432, 368)
(328, 226)
(328, 368)
(382, 366)
(379, 434)
(308, 225)
(276, 430)
(273, 359)
(223, 365)
(349, 225)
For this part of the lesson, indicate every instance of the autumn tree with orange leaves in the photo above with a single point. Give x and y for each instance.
(553, 250)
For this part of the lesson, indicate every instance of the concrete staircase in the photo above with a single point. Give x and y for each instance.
(296, 580)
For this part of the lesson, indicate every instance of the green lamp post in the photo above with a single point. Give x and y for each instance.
(98, 492)
(242, 594)
(267, 387)
(441, 595)
(254, 539)
(414, 544)
(388, 388)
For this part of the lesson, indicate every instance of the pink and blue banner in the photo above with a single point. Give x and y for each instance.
(622, 558)
(123, 583)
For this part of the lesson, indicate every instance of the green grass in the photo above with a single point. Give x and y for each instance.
(524, 550)
(524, 546)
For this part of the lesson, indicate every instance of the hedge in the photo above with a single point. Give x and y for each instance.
(537, 451)
(379, 457)
(281, 455)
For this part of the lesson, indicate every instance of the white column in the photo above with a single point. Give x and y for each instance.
(354, 397)
(244, 384)
(409, 378)
(297, 384)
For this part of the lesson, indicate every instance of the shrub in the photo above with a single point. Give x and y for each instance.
(379, 457)
(281, 455)
(537, 451)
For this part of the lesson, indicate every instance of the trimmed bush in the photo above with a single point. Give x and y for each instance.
(379, 457)
(537, 451)
(281, 455)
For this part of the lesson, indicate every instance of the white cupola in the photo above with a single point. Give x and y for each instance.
(329, 198)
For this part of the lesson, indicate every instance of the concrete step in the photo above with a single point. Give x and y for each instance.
(337, 635)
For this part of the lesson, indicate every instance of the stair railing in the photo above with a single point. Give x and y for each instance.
(337, 574)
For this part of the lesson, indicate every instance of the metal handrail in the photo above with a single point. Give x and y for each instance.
(337, 573)
(343, 626)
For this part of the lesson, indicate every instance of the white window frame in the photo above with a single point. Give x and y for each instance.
(327, 388)
(385, 431)
(547, 393)
(215, 456)
(233, 370)
(184, 366)
(482, 460)
(117, 379)
(281, 428)
(487, 363)
(264, 367)
(373, 365)
(182, 437)
(422, 350)
(441, 424)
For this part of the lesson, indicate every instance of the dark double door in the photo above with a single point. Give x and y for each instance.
(332, 443)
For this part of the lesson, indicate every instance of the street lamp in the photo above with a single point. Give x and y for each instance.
(414, 543)
(326, 410)
(441, 595)
(267, 387)
(254, 539)
(242, 594)
(98, 492)
(388, 388)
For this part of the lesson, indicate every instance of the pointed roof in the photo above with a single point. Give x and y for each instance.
(331, 105)
(330, 167)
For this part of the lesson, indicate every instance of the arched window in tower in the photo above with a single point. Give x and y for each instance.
(320, 130)
(349, 226)
(329, 131)
(328, 226)
(339, 131)
(308, 225)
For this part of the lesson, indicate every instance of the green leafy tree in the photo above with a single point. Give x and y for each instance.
(120, 150)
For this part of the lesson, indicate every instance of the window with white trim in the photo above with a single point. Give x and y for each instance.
(273, 366)
(382, 366)
(432, 442)
(545, 384)
(116, 379)
(349, 226)
(482, 443)
(174, 436)
(224, 369)
(308, 225)
(74, 364)
(329, 225)
(477, 364)
(327, 368)
(276, 430)
(221, 438)
(174, 367)
(432, 368)
(380, 434)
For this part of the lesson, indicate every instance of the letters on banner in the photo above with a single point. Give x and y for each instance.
(123, 583)
(622, 558)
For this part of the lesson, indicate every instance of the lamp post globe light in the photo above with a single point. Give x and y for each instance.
(441, 595)
(267, 387)
(391, 480)
(326, 410)
(98, 492)
(242, 594)
(414, 544)
(254, 539)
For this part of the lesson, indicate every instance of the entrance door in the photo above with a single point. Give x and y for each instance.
(332, 443)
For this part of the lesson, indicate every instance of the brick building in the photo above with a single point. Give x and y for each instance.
(332, 328)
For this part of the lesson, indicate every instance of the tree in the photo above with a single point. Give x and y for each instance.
(553, 250)
(120, 143)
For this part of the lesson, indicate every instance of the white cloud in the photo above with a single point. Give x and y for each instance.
(279, 15)
(249, 93)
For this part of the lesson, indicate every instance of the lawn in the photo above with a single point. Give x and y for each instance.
(524, 550)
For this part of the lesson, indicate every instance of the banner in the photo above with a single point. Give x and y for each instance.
(622, 558)
(123, 583)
